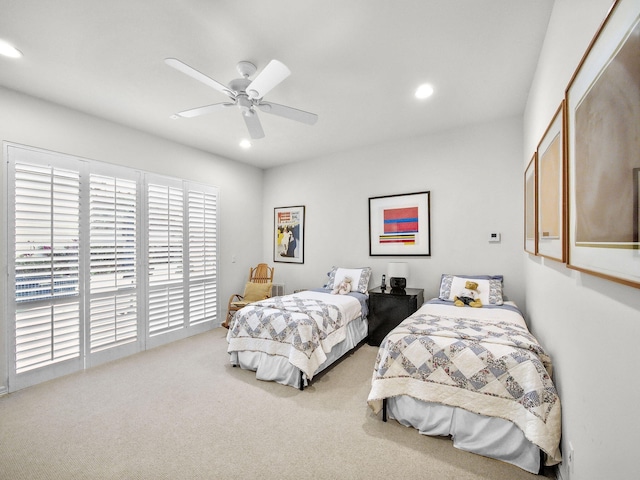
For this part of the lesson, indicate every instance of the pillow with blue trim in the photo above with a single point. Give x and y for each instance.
(359, 278)
(489, 287)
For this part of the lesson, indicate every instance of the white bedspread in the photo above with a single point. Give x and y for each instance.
(482, 360)
(301, 327)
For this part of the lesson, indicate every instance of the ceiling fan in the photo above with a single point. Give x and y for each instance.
(246, 94)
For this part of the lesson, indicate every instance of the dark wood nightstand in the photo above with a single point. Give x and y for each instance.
(387, 310)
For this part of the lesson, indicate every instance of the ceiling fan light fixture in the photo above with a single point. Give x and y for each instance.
(9, 50)
(245, 144)
(424, 91)
(246, 94)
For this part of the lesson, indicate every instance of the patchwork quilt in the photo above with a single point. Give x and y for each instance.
(300, 329)
(494, 368)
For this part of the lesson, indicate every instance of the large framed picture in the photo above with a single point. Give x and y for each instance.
(400, 225)
(288, 242)
(530, 217)
(551, 203)
(603, 145)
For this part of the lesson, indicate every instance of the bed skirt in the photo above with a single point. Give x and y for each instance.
(488, 436)
(278, 369)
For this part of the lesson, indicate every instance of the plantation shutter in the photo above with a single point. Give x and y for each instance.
(166, 300)
(203, 254)
(44, 220)
(113, 318)
(80, 233)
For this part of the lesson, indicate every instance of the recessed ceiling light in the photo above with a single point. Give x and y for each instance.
(9, 50)
(424, 91)
(245, 144)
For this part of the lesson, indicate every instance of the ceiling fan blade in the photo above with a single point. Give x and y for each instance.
(194, 112)
(253, 125)
(201, 77)
(289, 112)
(274, 73)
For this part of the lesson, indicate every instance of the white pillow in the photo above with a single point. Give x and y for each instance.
(359, 278)
(489, 287)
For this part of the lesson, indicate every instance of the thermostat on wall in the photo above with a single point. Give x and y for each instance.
(494, 237)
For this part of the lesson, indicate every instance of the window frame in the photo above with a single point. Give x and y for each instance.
(199, 289)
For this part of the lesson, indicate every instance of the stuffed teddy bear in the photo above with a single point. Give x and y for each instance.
(468, 296)
(343, 287)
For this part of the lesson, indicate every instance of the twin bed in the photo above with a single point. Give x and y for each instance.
(292, 338)
(475, 374)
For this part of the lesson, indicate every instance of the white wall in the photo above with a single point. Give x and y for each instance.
(475, 181)
(590, 326)
(30, 121)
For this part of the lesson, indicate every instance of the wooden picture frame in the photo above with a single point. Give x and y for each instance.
(530, 207)
(551, 191)
(602, 111)
(636, 204)
(400, 225)
(288, 234)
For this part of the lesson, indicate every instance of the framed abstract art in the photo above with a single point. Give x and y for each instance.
(400, 225)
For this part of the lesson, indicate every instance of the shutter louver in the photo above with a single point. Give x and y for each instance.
(202, 210)
(114, 321)
(47, 230)
(47, 335)
(113, 311)
(202, 301)
(166, 269)
(166, 309)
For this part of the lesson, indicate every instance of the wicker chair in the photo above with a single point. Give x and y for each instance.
(257, 288)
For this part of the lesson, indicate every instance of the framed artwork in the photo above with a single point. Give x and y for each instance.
(288, 241)
(530, 216)
(551, 203)
(603, 145)
(400, 225)
(636, 204)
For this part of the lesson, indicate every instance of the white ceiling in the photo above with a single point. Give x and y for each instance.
(355, 63)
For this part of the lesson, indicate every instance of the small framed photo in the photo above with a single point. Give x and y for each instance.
(400, 225)
(288, 242)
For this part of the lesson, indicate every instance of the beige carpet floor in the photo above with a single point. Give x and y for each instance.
(182, 412)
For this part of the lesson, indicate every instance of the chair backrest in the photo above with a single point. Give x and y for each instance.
(263, 273)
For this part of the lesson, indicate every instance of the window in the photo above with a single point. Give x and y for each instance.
(203, 252)
(166, 258)
(113, 257)
(46, 271)
(104, 261)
